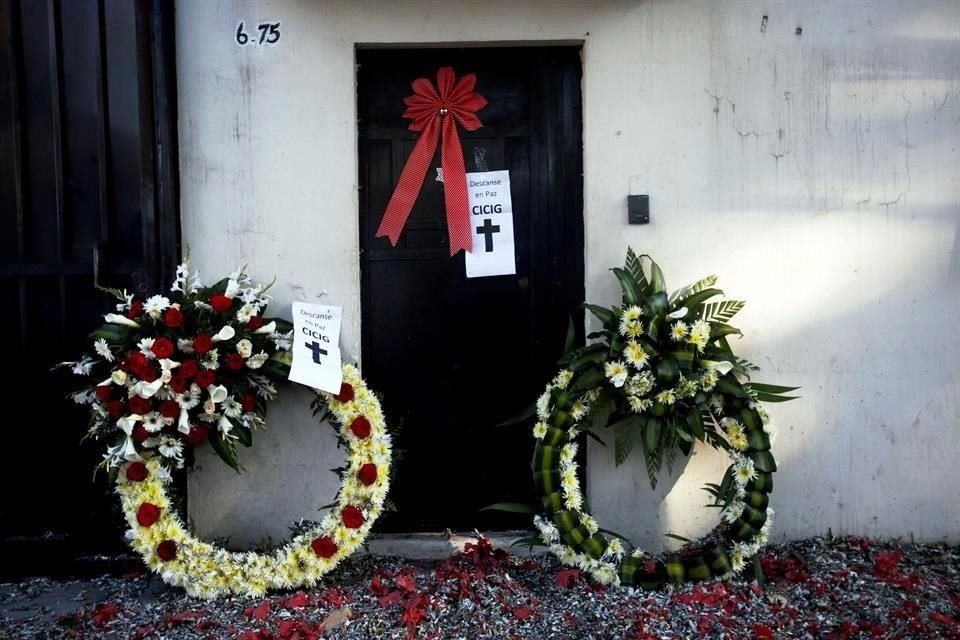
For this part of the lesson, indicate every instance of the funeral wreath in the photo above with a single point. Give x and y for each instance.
(170, 373)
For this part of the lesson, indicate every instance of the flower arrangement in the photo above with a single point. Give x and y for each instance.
(172, 372)
(660, 372)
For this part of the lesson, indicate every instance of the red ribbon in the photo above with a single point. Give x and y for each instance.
(434, 111)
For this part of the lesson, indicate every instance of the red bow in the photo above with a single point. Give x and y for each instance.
(433, 110)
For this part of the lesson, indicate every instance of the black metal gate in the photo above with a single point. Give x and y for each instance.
(88, 190)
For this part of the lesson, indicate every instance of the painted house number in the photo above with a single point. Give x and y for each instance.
(269, 33)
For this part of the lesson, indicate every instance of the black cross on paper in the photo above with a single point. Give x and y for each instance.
(488, 230)
(317, 350)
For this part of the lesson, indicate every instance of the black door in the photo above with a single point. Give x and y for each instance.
(87, 151)
(452, 356)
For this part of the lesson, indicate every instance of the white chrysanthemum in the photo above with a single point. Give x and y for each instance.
(562, 379)
(153, 422)
(103, 349)
(568, 453)
(616, 372)
(635, 355)
(632, 313)
(282, 341)
(155, 305)
(733, 511)
(548, 532)
(708, 380)
(567, 555)
(615, 549)
(640, 384)
(578, 411)
(744, 471)
(606, 574)
(171, 448)
(144, 345)
(257, 361)
(679, 331)
(699, 335)
(589, 523)
(735, 435)
(540, 430)
(639, 405)
(667, 396)
(543, 405)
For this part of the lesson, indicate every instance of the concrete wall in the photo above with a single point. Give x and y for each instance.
(810, 158)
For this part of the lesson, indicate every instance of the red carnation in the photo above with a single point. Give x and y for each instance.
(173, 318)
(220, 303)
(162, 348)
(148, 374)
(254, 323)
(169, 409)
(324, 547)
(368, 474)
(139, 433)
(136, 308)
(137, 472)
(136, 361)
(147, 514)
(115, 408)
(360, 427)
(206, 378)
(346, 392)
(202, 343)
(352, 516)
(189, 369)
(179, 384)
(235, 361)
(103, 392)
(249, 403)
(197, 435)
(139, 406)
(167, 550)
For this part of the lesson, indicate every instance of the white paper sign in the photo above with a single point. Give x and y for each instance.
(316, 346)
(491, 224)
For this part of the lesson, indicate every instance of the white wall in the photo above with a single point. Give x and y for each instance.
(817, 174)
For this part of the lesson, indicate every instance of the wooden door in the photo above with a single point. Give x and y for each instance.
(87, 185)
(452, 356)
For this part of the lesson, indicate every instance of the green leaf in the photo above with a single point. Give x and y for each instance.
(766, 397)
(580, 354)
(676, 537)
(571, 336)
(634, 267)
(718, 330)
(587, 380)
(679, 296)
(657, 282)
(521, 417)
(695, 424)
(244, 436)
(668, 372)
(530, 541)
(591, 434)
(770, 388)
(112, 333)
(604, 315)
(511, 507)
(226, 450)
(624, 438)
(657, 303)
(722, 311)
(651, 434)
(610, 532)
(701, 296)
(729, 384)
(631, 290)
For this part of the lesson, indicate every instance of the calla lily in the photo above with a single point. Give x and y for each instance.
(183, 425)
(169, 365)
(217, 393)
(224, 426)
(147, 389)
(126, 423)
(233, 288)
(270, 327)
(115, 318)
(128, 450)
(226, 333)
(679, 313)
(722, 367)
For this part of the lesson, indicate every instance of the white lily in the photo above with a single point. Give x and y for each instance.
(225, 426)
(226, 333)
(115, 318)
(233, 288)
(183, 425)
(169, 365)
(217, 393)
(722, 367)
(268, 328)
(128, 451)
(679, 313)
(147, 389)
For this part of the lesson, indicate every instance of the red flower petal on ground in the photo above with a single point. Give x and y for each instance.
(324, 547)
(148, 514)
(360, 427)
(352, 516)
(162, 348)
(167, 550)
(137, 472)
(220, 303)
(885, 566)
(297, 600)
(261, 612)
(762, 632)
(104, 614)
(346, 393)
(569, 577)
(368, 474)
(522, 613)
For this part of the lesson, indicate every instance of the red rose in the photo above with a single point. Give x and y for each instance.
(162, 348)
(352, 516)
(139, 433)
(346, 393)
(139, 406)
(360, 427)
(235, 361)
(173, 318)
(324, 547)
(202, 343)
(169, 409)
(254, 323)
(189, 369)
(103, 392)
(148, 374)
(197, 435)
(115, 408)
(249, 403)
(137, 472)
(179, 384)
(220, 303)
(136, 308)
(147, 514)
(167, 550)
(206, 378)
(136, 360)
(368, 474)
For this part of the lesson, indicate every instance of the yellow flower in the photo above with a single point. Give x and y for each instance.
(635, 355)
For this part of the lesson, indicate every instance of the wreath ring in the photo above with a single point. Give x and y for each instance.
(205, 570)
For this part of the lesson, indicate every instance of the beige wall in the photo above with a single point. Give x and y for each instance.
(817, 174)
